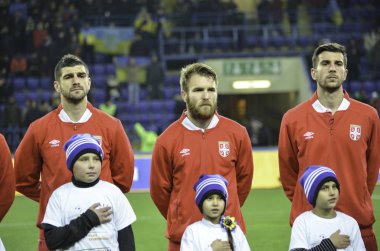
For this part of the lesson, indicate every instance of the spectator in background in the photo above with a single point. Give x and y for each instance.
(87, 42)
(147, 137)
(4, 65)
(31, 112)
(374, 54)
(113, 86)
(242, 117)
(17, 29)
(39, 34)
(146, 27)
(138, 47)
(109, 107)
(7, 179)
(155, 78)
(13, 114)
(354, 54)
(6, 89)
(18, 65)
(292, 11)
(133, 81)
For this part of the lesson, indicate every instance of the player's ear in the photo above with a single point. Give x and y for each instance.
(57, 87)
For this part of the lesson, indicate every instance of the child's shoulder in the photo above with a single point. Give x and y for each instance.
(108, 185)
(345, 217)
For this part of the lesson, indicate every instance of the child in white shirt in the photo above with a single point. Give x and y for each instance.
(215, 231)
(88, 213)
(323, 228)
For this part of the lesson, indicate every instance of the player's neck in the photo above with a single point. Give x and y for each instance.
(213, 220)
(75, 111)
(331, 100)
(201, 123)
(324, 213)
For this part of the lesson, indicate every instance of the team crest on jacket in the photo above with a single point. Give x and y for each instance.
(224, 148)
(355, 132)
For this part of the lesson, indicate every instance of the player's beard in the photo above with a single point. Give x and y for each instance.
(75, 99)
(199, 113)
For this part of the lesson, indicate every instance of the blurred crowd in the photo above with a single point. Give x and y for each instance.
(35, 34)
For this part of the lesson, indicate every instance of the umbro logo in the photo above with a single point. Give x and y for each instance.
(54, 143)
(185, 151)
(308, 135)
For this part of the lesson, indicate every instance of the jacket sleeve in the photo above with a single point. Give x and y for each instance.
(122, 160)
(244, 168)
(325, 245)
(288, 163)
(28, 165)
(126, 239)
(7, 178)
(161, 178)
(66, 236)
(373, 156)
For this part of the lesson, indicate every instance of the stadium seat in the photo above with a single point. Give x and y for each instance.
(169, 106)
(20, 97)
(369, 86)
(354, 86)
(19, 83)
(110, 69)
(97, 70)
(45, 95)
(99, 81)
(46, 83)
(121, 61)
(32, 83)
(99, 95)
(142, 61)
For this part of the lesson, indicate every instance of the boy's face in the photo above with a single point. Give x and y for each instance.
(328, 196)
(213, 207)
(87, 167)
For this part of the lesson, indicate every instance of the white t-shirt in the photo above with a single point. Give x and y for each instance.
(309, 230)
(68, 202)
(200, 235)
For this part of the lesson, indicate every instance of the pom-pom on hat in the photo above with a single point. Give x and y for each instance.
(208, 185)
(313, 179)
(80, 144)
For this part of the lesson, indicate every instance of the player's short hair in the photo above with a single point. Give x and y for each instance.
(332, 47)
(68, 60)
(196, 68)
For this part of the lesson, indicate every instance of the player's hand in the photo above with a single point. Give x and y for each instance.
(219, 245)
(103, 213)
(340, 241)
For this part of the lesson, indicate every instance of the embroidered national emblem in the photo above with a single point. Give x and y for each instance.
(355, 132)
(224, 148)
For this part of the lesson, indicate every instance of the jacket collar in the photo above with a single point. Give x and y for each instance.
(318, 107)
(85, 117)
(190, 125)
